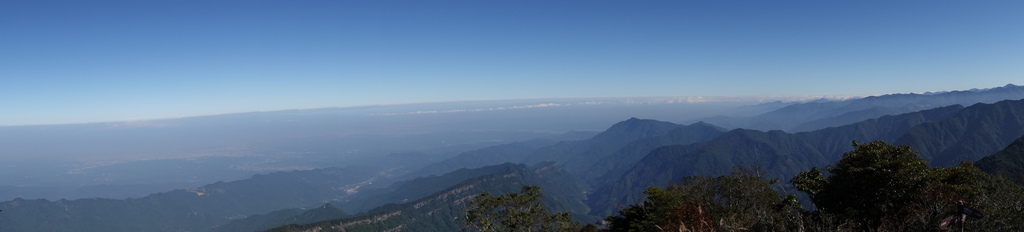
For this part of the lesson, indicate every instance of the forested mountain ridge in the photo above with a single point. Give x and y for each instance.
(669, 164)
(975, 132)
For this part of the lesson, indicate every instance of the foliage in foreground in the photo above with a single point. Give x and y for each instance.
(740, 201)
(879, 186)
(876, 187)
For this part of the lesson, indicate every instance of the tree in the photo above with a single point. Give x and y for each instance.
(742, 200)
(884, 187)
(518, 212)
(873, 181)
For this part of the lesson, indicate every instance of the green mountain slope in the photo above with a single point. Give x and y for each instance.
(1008, 162)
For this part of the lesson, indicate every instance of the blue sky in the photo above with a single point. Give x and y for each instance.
(89, 61)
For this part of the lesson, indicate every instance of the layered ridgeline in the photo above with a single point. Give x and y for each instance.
(194, 209)
(815, 115)
(783, 154)
(439, 211)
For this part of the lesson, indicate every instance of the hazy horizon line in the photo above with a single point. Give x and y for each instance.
(537, 102)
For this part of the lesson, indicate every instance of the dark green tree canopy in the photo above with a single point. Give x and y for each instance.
(868, 182)
(878, 185)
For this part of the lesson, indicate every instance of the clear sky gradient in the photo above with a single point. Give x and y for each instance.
(89, 61)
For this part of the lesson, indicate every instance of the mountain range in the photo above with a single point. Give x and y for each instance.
(590, 175)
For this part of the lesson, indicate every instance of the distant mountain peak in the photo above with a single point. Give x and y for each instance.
(635, 121)
(634, 128)
(703, 123)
